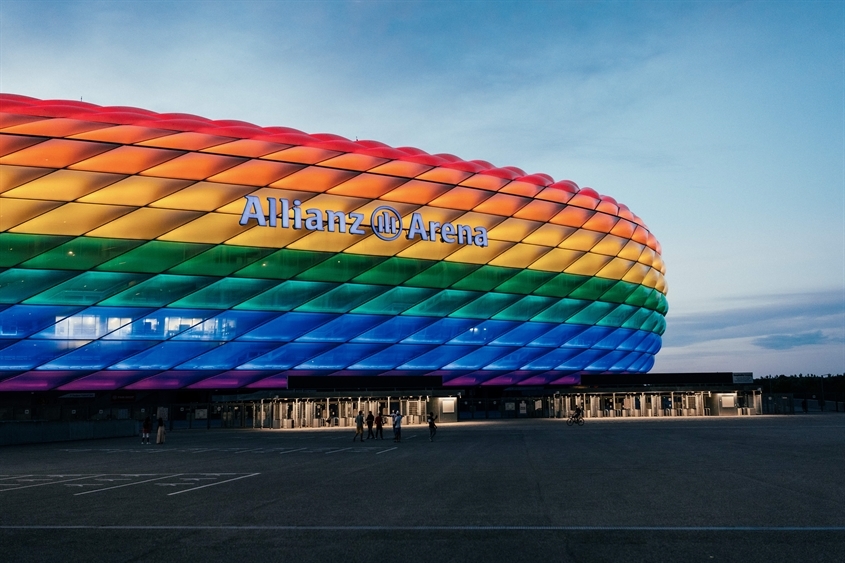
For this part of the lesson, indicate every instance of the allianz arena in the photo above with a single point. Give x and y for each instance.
(145, 251)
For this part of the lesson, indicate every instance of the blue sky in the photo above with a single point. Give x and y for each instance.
(721, 124)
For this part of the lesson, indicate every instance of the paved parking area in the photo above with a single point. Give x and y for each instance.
(749, 489)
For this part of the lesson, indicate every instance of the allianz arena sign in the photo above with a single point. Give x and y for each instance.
(385, 222)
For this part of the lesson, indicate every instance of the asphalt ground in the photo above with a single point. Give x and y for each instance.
(709, 489)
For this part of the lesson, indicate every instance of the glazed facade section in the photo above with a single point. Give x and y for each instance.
(162, 251)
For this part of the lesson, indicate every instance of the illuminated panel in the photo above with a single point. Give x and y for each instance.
(168, 252)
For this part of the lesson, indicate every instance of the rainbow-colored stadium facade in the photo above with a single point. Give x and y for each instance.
(147, 251)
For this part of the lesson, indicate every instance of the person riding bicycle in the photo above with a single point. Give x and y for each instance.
(579, 412)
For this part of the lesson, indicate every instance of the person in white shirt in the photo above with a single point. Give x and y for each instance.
(397, 426)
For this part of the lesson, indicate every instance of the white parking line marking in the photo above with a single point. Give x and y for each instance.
(53, 482)
(127, 484)
(291, 451)
(387, 450)
(212, 484)
(340, 450)
(447, 528)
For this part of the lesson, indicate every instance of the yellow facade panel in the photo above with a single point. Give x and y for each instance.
(474, 219)
(610, 245)
(203, 196)
(631, 251)
(549, 235)
(647, 257)
(237, 206)
(636, 274)
(615, 269)
(374, 246)
(588, 264)
(322, 241)
(651, 278)
(520, 256)
(72, 219)
(211, 228)
(582, 240)
(64, 185)
(136, 191)
(16, 211)
(266, 237)
(145, 223)
(428, 250)
(556, 260)
(479, 254)
(514, 230)
(14, 176)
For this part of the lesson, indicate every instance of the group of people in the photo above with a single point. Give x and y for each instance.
(147, 427)
(378, 421)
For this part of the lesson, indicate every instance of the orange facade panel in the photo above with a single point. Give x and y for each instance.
(126, 160)
(583, 200)
(485, 182)
(549, 235)
(353, 161)
(571, 217)
(368, 185)
(600, 222)
(445, 175)
(554, 194)
(58, 127)
(122, 134)
(256, 173)
(461, 198)
(539, 210)
(250, 148)
(14, 143)
(526, 189)
(401, 168)
(416, 191)
(194, 166)
(55, 153)
(519, 256)
(623, 228)
(502, 204)
(302, 155)
(314, 179)
(188, 141)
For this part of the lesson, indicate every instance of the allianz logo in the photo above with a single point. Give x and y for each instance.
(385, 222)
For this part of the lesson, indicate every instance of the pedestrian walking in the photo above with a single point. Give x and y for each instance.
(432, 428)
(146, 428)
(397, 426)
(370, 420)
(359, 426)
(379, 426)
(160, 433)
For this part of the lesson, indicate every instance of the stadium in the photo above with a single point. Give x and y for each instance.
(147, 253)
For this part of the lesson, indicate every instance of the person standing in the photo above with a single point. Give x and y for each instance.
(379, 426)
(359, 426)
(146, 428)
(160, 433)
(432, 428)
(397, 426)
(370, 420)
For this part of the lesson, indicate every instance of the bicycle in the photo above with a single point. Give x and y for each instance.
(575, 419)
